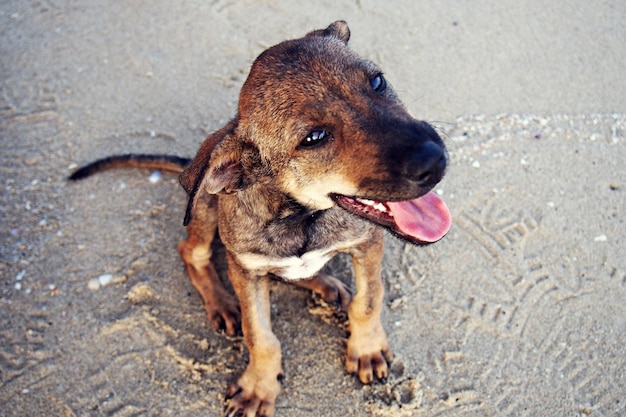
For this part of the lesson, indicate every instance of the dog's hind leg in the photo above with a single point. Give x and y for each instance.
(221, 307)
(332, 290)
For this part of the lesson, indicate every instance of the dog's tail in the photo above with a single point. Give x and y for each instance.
(164, 162)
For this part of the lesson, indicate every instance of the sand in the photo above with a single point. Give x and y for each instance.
(519, 311)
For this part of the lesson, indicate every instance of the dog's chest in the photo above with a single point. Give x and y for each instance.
(289, 268)
(298, 246)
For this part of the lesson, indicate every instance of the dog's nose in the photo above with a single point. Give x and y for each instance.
(427, 164)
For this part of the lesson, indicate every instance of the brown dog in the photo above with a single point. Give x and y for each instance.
(320, 154)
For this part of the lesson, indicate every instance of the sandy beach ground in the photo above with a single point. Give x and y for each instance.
(519, 311)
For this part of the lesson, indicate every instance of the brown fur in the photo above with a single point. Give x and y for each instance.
(272, 198)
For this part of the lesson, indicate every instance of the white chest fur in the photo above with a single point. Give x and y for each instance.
(290, 268)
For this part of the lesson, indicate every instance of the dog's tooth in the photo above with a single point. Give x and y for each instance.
(366, 201)
(380, 207)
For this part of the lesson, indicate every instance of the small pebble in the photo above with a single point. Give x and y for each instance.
(101, 281)
(93, 284)
(155, 177)
(104, 280)
(601, 238)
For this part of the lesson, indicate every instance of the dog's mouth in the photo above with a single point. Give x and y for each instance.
(423, 220)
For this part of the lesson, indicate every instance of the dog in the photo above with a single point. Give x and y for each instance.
(319, 159)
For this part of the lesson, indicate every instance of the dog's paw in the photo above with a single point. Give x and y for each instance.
(224, 314)
(333, 291)
(368, 355)
(252, 395)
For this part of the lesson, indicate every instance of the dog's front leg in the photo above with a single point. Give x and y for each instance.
(368, 351)
(255, 392)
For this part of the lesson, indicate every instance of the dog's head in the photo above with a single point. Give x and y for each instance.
(324, 126)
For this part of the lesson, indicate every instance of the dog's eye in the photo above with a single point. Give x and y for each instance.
(315, 138)
(378, 83)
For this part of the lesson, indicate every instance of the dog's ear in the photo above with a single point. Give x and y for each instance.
(217, 168)
(224, 173)
(338, 29)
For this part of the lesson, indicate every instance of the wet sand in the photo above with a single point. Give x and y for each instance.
(519, 311)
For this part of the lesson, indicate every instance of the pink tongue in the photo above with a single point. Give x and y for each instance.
(426, 219)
